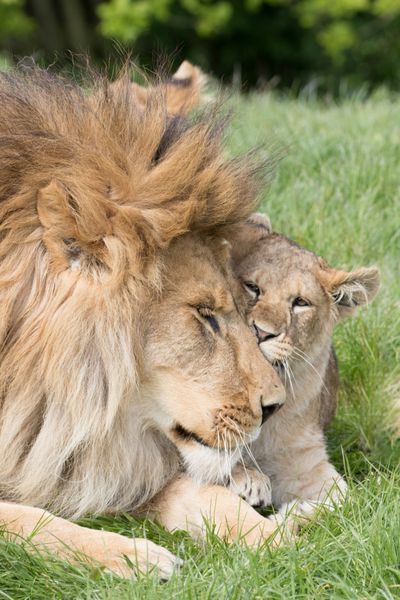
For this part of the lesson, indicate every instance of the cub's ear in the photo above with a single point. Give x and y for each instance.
(260, 222)
(244, 236)
(349, 290)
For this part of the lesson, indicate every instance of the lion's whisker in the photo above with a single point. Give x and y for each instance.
(221, 454)
(241, 436)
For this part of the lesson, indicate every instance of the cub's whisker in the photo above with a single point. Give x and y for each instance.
(307, 359)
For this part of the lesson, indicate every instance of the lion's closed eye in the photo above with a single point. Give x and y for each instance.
(207, 316)
(252, 288)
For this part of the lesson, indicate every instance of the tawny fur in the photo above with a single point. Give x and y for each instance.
(295, 300)
(124, 355)
(93, 191)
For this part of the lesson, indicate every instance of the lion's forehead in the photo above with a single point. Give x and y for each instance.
(199, 278)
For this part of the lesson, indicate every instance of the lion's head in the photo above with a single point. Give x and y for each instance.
(294, 297)
(122, 348)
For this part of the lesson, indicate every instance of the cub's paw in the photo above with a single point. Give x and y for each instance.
(130, 557)
(287, 528)
(306, 509)
(251, 485)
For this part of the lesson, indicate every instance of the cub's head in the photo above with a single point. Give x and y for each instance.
(294, 297)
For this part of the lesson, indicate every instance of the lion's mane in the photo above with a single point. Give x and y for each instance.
(72, 434)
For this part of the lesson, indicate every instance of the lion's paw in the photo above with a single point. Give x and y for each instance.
(251, 485)
(130, 557)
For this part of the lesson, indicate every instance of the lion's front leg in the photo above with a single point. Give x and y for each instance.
(68, 541)
(185, 504)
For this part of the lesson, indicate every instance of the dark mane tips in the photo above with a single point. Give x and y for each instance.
(98, 137)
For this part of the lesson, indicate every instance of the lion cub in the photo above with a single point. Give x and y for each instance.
(294, 301)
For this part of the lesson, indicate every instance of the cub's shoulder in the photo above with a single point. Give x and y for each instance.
(329, 391)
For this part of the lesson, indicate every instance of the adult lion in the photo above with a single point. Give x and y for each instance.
(123, 355)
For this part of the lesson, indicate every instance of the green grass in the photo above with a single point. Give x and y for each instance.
(337, 191)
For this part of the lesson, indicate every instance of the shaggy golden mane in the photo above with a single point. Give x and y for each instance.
(89, 170)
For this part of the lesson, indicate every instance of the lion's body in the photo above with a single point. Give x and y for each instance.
(120, 341)
(70, 357)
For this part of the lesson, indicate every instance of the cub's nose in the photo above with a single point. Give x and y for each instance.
(264, 336)
(269, 410)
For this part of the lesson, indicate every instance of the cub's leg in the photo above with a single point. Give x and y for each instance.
(301, 471)
(66, 539)
(184, 504)
(252, 485)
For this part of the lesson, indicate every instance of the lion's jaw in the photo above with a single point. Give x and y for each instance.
(205, 380)
(209, 437)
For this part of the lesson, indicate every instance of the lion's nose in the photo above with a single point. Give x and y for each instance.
(270, 392)
(269, 410)
(264, 336)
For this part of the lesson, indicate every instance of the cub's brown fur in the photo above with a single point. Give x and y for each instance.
(123, 355)
(295, 300)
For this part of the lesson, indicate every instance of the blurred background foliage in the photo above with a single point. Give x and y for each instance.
(249, 42)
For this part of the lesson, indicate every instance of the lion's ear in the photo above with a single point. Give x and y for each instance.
(59, 226)
(349, 290)
(53, 208)
(184, 89)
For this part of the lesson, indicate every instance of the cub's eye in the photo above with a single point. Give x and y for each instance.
(300, 302)
(206, 313)
(252, 288)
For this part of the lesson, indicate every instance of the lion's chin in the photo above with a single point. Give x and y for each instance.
(208, 465)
